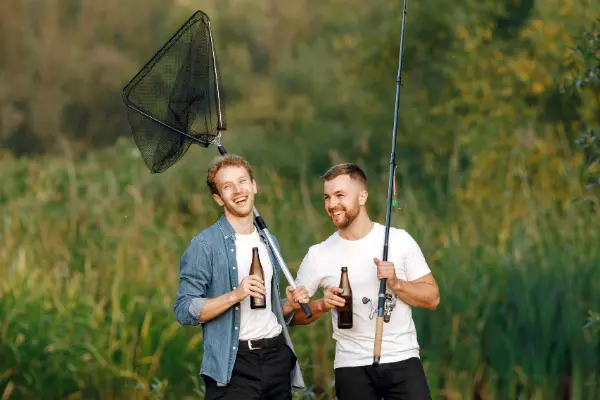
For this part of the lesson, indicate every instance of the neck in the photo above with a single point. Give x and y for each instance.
(359, 228)
(241, 225)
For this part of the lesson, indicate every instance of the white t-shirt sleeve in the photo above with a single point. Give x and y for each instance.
(415, 264)
(308, 273)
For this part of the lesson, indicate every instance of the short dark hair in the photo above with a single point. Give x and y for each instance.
(353, 170)
(227, 160)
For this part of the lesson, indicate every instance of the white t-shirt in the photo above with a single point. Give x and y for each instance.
(255, 324)
(321, 267)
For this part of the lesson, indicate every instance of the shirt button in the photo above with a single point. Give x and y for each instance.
(231, 249)
(234, 347)
(236, 328)
(237, 308)
(233, 267)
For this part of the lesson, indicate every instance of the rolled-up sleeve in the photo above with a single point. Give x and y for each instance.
(195, 276)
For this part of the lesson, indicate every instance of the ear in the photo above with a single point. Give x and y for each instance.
(218, 200)
(362, 197)
(254, 187)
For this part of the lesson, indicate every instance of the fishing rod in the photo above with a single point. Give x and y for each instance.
(388, 211)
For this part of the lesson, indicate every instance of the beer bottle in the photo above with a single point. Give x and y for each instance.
(345, 312)
(257, 269)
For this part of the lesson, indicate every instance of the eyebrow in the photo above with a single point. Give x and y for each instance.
(334, 193)
(235, 179)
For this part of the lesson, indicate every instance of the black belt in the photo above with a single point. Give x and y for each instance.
(262, 343)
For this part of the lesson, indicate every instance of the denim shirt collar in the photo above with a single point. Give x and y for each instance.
(229, 233)
(226, 228)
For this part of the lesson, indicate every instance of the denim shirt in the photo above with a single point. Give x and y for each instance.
(208, 270)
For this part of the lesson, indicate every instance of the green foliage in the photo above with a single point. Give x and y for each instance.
(89, 270)
(494, 98)
(582, 79)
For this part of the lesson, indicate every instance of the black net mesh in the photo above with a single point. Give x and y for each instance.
(174, 100)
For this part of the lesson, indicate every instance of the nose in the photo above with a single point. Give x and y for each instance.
(331, 203)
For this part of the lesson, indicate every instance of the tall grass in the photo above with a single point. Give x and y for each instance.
(89, 252)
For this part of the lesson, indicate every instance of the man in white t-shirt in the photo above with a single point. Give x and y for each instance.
(247, 353)
(358, 245)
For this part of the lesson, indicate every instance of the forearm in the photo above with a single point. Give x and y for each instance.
(217, 306)
(286, 308)
(317, 308)
(417, 294)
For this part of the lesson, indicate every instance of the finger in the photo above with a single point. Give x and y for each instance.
(257, 288)
(376, 261)
(338, 299)
(255, 278)
(334, 303)
(301, 299)
(259, 294)
(256, 283)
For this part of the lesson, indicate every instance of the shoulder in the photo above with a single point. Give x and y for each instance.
(324, 245)
(317, 251)
(274, 239)
(400, 238)
(207, 238)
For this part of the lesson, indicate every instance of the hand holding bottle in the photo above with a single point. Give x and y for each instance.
(331, 299)
(251, 285)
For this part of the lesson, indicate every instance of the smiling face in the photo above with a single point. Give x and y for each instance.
(235, 190)
(344, 198)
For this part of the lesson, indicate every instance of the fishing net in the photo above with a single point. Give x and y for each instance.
(174, 100)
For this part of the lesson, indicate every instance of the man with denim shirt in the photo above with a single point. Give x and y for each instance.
(246, 353)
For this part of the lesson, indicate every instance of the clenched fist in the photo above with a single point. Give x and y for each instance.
(386, 270)
(297, 296)
(251, 285)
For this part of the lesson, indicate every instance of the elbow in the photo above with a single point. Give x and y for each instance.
(435, 302)
(181, 310)
(180, 315)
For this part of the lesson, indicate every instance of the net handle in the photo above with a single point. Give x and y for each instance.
(261, 226)
(216, 72)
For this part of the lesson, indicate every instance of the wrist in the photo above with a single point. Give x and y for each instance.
(233, 297)
(321, 306)
(286, 307)
(396, 285)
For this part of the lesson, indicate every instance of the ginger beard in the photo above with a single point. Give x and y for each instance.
(342, 217)
(342, 198)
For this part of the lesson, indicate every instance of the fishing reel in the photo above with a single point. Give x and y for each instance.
(388, 306)
(373, 310)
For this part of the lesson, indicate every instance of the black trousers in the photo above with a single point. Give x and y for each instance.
(258, 374)
(402, 380)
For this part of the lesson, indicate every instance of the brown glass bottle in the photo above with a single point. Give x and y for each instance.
(345, 312)
(257, 269)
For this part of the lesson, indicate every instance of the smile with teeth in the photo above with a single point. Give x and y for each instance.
(241, 200)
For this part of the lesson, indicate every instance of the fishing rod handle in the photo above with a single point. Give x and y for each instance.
(378, 340)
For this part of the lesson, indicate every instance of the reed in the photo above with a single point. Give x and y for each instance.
(89, 252)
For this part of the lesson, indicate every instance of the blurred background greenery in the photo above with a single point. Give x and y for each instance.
(497, 180)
